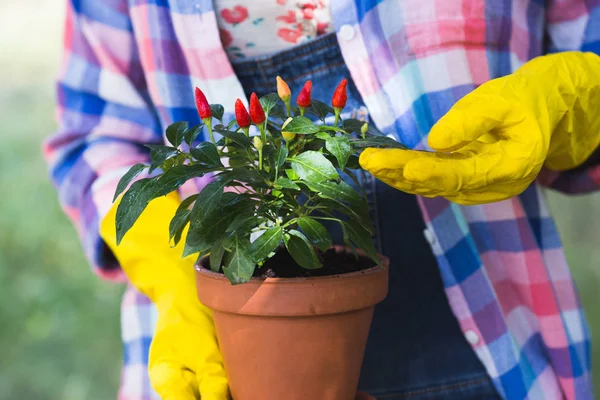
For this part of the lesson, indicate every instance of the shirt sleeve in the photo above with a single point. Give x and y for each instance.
(574, 25)
(104, 118)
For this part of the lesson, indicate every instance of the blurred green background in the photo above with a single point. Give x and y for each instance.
(59, 324)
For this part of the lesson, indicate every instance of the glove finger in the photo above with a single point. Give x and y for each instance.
(477, 114)
(375, 160)
(492, 193)
(173, 382)
(212, 379)
(445, 176)
(407, 187)
(485, 165)
(387, 165)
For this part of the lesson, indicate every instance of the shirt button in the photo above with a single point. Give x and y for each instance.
(429, 236)
(472, 337)
(347, 32)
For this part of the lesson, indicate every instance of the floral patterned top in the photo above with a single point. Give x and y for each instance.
(262, 27)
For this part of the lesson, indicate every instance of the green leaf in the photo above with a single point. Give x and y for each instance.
(301, 250)
(217, 111)
(320, 109)
(324, 128)
(132, 205)
(373, 130)
(207, 153)
(265, 244)
(236, 137)
(313, 167)
(340, 147)
(181, 218)
(192, 133)
(178, 223)
(358, 184)
(352, 125)
(231, 123)
(361, 237)
(316, 232)
(377, 141)
(278, 156)
(286, 183)
(208, 199)
(228, 198)
(269, 101)
(358, 211)
(185, 204)
(243, 174)
(159, 154)
(216, 256)
(292, 174)
(176, 133)
(336, 191)
(204, 233)
(177, 176)
(173, 162)
(301, 126)
(353, 162)
(243, 223)
(128, 177)
(240, 267)
(278, 111)
(322, 135)
(188, 250)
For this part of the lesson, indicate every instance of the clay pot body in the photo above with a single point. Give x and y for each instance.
(294, 338)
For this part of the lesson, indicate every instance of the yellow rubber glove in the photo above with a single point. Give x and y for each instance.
(185, 361)
(492, 144)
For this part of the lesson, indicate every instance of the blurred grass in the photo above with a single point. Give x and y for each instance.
(59, 325)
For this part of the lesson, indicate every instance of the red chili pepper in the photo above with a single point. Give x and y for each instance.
(241, 114)
(340, 96)
(202, 105)
(256, 111)
(283, 90)
(303, 99)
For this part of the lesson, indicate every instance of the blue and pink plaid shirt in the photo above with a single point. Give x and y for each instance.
(129, 69)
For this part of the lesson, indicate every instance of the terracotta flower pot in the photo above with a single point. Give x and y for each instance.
(294, 338)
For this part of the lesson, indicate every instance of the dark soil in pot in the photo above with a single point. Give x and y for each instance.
(335, 262)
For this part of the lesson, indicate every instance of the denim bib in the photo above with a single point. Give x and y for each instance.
(415, 349)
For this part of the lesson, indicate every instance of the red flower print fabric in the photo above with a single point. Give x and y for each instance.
(260, 27)
(234, 15)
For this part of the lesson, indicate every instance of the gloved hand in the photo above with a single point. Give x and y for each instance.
(185, 362)
(492, 144)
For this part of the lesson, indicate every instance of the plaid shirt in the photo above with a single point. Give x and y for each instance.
(129, 69)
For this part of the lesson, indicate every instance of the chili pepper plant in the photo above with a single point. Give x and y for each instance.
(270, 191)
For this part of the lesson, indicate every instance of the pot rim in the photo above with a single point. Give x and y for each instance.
(295, 297)
(348, 275)
(384, 263)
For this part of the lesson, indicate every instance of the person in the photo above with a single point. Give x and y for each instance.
(481, 302)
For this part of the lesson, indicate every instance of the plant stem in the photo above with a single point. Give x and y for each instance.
(260, 159)
(290, 222)
(210, 132)
(326, 218)
(263, 133)
(337, 118)
(288, 108)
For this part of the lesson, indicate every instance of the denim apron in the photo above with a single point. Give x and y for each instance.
(416, 349)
